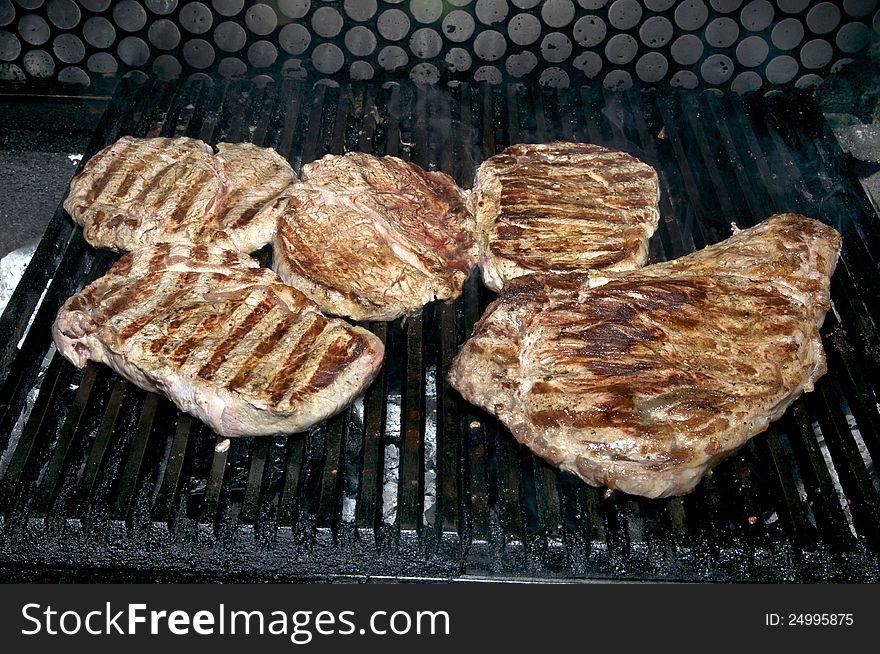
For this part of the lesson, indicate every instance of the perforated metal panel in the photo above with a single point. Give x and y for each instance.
(743, 45)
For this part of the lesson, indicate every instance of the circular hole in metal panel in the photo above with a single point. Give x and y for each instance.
(752, 51)
(261, 19)
(490, 45)
(426, 11)
(490, 12)
(598, 4)
(524, 29)
(30, 4)
(684, 79)
(11, 73)
(691, 15)
(294, 38)
(102, 63)
(293, 68)
(196, 17)
(488, 74)
(621, 49)
(787, 34)
(618, 80)
(458, 60)
(7, 14)
(392, 57)
(781, 69)
(230, 36)
(725, 6)
(232, 67)
(361, 70)
(394, 24)
(198, 53)
(361, 41)
(133, 51)
(823, 18)
(458, 26)
(624, 14)
(164, 34)
(129, 15)
(34, 30)
(425, 43)
(722, 32)
(99, 32)
(652, 67)
(294, 8)
(38, 63)
(263, 54)
(161, 7)
(816, 53)
(63, 13)
(746, 82)
(757, 15)
(519, 65)
(69, 48)
(360, 10)
(233, 7)
(555, 78)
(557, 13)
(556, 47)
(589, 31)
(807, 81)
(95, 5)
(687, 49)
(852, 37)
(10, 46)
(656, 32)
(859, 8)
(717, 69)
(327, 22)
(792, 6)
(74, 75)
(167, 67)
(590, 63)
(424, 73)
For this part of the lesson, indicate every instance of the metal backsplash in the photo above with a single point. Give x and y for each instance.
(737, 44)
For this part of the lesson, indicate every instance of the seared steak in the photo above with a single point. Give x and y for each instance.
(226, 340)
(646, 381)
(374, 238)
(140, 192)
(562, 207)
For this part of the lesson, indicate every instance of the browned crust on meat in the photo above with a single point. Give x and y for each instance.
(646, 382)
(409, 230)
(562, 207)
(177, 317)
(143, 191)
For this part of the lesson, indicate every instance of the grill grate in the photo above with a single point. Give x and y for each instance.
(411, 481)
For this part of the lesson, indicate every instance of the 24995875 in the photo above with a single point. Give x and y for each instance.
(809, 619)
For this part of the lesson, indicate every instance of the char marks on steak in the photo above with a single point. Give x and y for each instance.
(374, 238)
(561, 207)
(143, 191)
(643, 381)
(223, 338)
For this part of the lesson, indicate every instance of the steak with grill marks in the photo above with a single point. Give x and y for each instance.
(561, 207)
(222, 337)
(643, 381)
(143, 191)
(374, 238)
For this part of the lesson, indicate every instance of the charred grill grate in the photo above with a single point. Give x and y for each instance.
(411, 481)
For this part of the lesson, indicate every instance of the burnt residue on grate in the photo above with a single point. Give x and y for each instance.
(410, 480)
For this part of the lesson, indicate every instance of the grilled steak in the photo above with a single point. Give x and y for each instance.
(561, 207)
(374, 238)
(226, 340)
(647, 380)
(140, 192)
